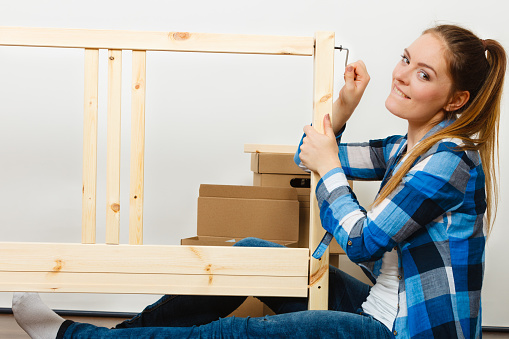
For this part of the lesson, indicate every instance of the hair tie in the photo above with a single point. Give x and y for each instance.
(484, 43)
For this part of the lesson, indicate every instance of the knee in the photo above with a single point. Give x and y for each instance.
(255, 242)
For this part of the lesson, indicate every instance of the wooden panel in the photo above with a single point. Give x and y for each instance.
(88, 223)
(57, 257)
(99, 268)
(154, 284)
(137, 148)
(113, 147)
(156, 41)
(322, 105)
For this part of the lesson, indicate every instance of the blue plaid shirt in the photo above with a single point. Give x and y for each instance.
(435, 220)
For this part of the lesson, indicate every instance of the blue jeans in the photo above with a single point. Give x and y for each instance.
(204, 316)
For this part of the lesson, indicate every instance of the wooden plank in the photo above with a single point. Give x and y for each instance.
(322, 105)
(154, 259)
(113, 147)
(154, 284)
(137, 148)
(88, 219)
(261, 148)
(156, 41)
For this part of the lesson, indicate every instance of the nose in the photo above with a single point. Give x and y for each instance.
(401, 73)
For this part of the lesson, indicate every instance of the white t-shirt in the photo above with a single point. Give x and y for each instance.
(382, 301)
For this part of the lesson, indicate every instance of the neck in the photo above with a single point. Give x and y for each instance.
(417, 130)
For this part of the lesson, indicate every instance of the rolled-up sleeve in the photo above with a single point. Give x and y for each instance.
(434, 186)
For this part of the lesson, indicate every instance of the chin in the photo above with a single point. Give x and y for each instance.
(395, 109)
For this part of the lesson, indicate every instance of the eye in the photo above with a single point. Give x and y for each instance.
(404, 59)
(423, 75)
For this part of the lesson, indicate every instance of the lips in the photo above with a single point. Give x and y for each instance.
(398, 92)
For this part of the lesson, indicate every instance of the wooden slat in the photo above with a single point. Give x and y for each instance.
(113, 147)
(88, 224)
(322, 105)
(154, 284)
(152, 259)
(156, 41)
(261, 148)
(137, 148)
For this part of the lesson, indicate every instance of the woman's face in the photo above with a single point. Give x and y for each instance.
(420, 82)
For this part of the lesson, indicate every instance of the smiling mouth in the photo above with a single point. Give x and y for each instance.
(399, 93)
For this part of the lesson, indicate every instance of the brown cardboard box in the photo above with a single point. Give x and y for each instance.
(334, 247)
(270, 213)
(283, 180)
(224, 241)
(274, 163)
(298, 181)
(252, 307)
(342, 262)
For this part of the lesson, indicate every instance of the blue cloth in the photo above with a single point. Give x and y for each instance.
(199, 316)
(434, 219)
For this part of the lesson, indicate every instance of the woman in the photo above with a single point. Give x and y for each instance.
(422, 242)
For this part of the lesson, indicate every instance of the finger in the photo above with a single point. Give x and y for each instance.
(350, 77)
(309, 130)
(327, 127)
(361, 73)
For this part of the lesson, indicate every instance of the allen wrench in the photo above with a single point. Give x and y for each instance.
(341, 48)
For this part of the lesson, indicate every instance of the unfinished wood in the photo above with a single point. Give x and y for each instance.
(153, 259)
(322, 105)
(137, 148)
(156, 269)
(261, 148)
(154, 284)
(156, 41)
(88, 218)
(113, 147)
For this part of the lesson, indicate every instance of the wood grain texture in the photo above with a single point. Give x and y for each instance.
(137, 148)
(113, 147)
(99, 268)
(322, 105)
(89, 191)
(156, 41)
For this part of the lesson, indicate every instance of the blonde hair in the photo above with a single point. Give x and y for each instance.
(477, 66)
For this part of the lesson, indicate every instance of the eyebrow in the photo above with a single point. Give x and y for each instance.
(422, 64)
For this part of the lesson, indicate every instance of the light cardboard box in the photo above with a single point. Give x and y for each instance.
(342, 262)
(270, 213)
(282, 180)
(224, 241)
(273, 168)
(274, 163)
(334, 247)
(298, 181)
(252, 307)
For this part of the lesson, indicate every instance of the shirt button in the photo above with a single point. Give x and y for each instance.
(349, 242)
(396, 248)
(399, 277)
(395, 332)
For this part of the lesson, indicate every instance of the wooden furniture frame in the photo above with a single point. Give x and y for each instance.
(137, 268)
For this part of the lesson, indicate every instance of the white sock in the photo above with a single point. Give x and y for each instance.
(34, 317)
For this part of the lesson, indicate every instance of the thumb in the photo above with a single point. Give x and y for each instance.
(327, 127)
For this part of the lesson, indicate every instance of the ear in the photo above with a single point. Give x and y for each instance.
(458, 100)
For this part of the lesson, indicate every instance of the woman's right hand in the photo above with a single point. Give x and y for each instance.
(356, 80)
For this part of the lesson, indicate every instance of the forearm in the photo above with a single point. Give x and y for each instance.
(340, 116)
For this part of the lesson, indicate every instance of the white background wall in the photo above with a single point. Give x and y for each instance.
(201, 110)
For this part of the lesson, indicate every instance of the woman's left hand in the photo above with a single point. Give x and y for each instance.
(319, 152)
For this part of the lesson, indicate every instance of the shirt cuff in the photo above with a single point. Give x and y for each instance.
(330, 182)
